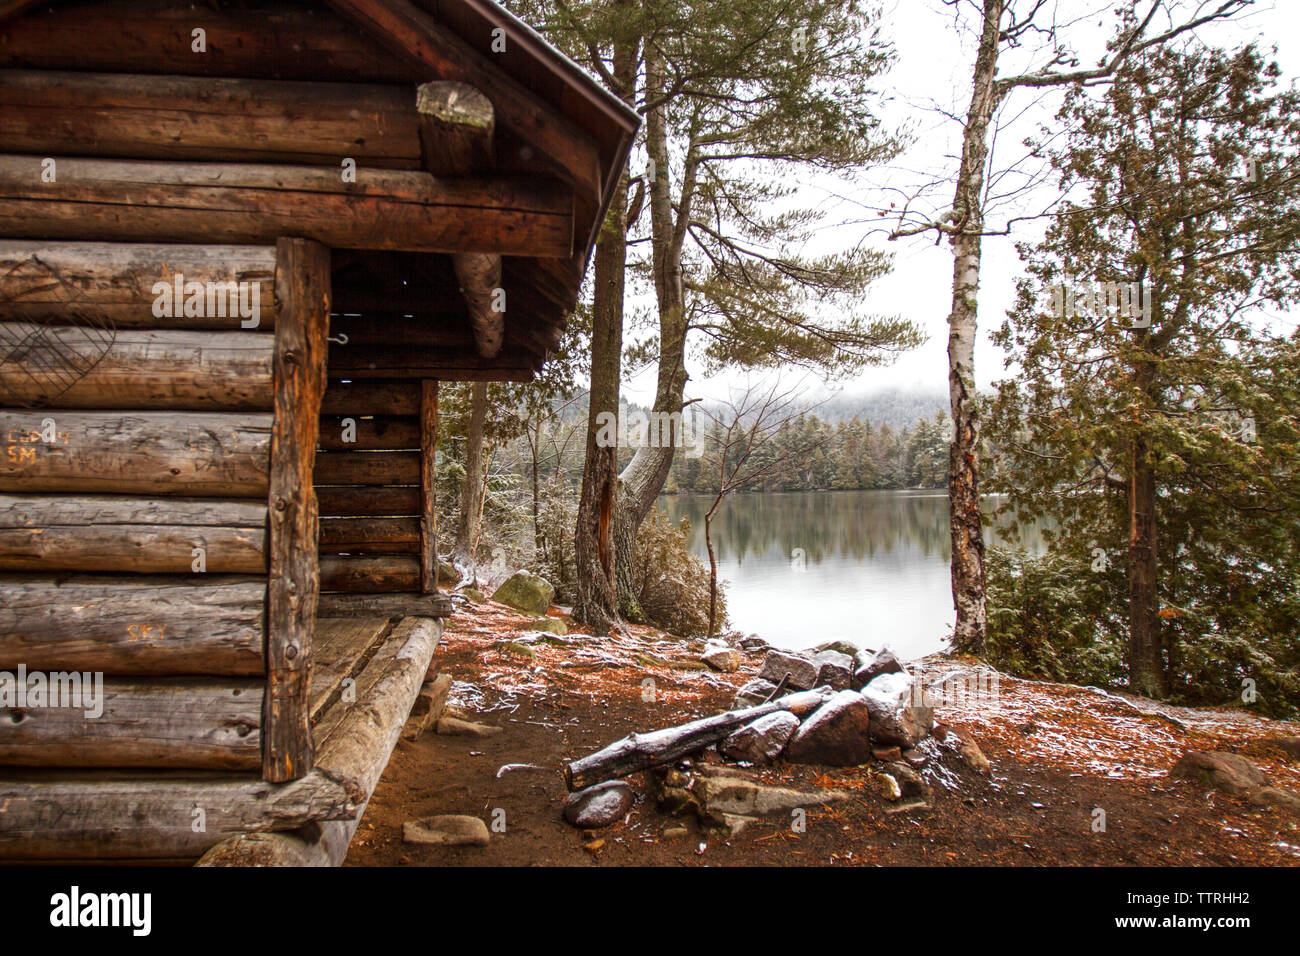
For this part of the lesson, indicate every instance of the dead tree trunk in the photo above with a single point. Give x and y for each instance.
(471, 492)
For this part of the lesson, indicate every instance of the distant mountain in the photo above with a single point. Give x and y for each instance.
(897, 408)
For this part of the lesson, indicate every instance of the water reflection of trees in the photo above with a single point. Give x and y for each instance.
(856, 525)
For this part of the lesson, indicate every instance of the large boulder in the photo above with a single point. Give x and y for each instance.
(526, 591)
(1230, 773)
(754, 693)
(800, 672)
(721, 657)
(834, 670)
(598, 806)
(894, 719)
(762, 741)
(837, 733)
(871, 664)
(550, 625)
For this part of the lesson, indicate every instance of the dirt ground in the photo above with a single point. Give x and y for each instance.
(1058, 754)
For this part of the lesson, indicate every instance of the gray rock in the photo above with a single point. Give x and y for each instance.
(733, 792)
(721, 657)
(871, 664)
(755, 692)
(598, 806)
(801, 671)
(762, 741)
(847, 648)
(893, 718)
(753, 643)
(526, 592)
(910, 784)
(835, 670)
(1230, 773)
(837, 733)
(446, 830)
(455, 727)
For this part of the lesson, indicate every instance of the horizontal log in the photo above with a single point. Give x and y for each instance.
(397, 535)
(173, 722)
(343, 605)
(373, 433)
(286, 40)
(349, 501)
(192, 454)
(138, 200)
(138, 535)
(113, 815)
(79, 367)
(340, 648)
(114, 283)
(363, 572)
(370, 398)
(133, 625)
(367, 468)
(442, 364)
(52, 113)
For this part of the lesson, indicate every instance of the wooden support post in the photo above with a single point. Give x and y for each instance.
(428, 501)
(302, 284)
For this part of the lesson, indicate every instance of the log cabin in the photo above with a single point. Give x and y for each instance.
(241, 243)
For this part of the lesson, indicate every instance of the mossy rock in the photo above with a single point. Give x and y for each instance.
(474, 594)
(526, 591)
(447, 573)
(513, 647)
(549, 625)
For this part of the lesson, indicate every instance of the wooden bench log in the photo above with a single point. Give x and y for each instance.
(138, 535)
(113, 282)
(133, 626)
(137, 369)
(139, 200)
(173, 722)
(337, 604)
(149, 453)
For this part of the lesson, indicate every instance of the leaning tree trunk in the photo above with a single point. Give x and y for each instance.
(645, 475)
(471, 492)
(965, 521)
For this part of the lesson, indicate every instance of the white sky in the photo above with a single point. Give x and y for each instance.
(933, 68)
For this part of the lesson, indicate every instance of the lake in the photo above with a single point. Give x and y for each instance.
(808, 567)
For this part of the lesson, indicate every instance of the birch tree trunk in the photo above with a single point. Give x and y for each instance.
(965, 522)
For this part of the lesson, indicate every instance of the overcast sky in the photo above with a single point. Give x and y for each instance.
(933, 69)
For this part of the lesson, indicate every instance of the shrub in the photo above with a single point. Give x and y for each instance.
(671, 583)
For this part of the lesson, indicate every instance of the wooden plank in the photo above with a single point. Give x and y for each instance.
(360, 535)
(368, 468)
(302, 283)
(115, 282)
(113, 815)
(371, 398)
(53, 113)
(136, 368)
(339, 604)
(342, 647)
(138, 535)
(451, 365)
(139, 200)
(356, 501)
(158, 626)
(197, 454)
(369, 433)
(190, 723)
(428, 488)
(370, 572)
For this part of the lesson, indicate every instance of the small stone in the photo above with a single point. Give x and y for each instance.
(598, 806)
(967, 750)
(887, 786)
(676, 833)
(516, 647)
(887, 754)
(429, 706)
(549, 625)
(800, 673)
(754, 693)
(910, 784)
(753, 643)
(446, 830)
(834, 670)
(915, 758)
(847, 648)
(836, 734)
(474, 594)
(871, 664)
(594, 847)
(1278, 798)
(721, 658)
(762, 741)
(454, 727)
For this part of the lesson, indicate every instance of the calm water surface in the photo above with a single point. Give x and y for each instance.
(807, 567)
